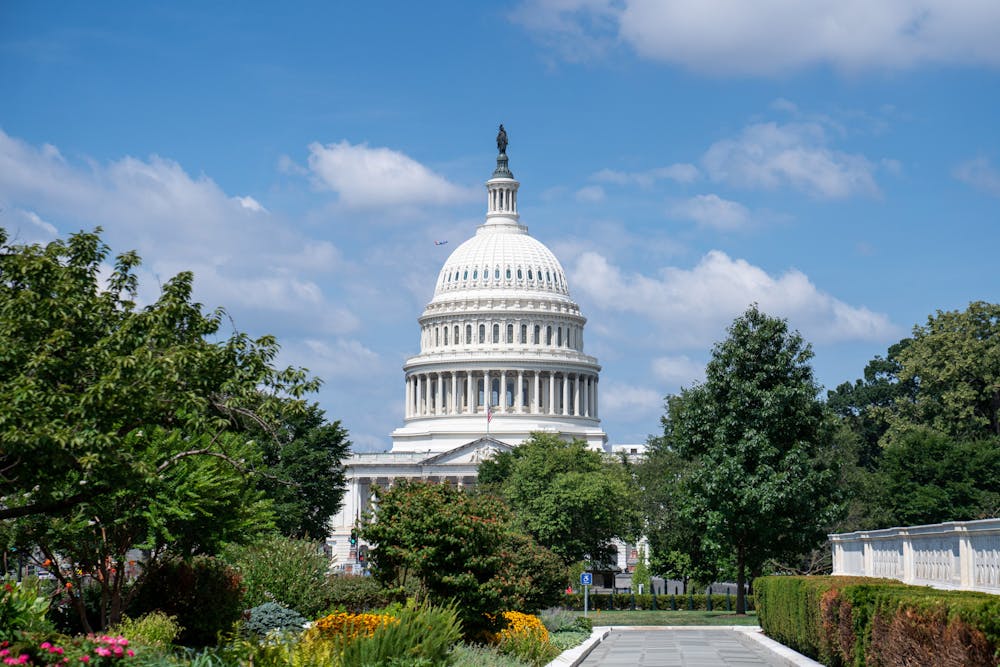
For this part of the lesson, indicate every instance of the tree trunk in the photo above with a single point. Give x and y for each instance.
(741, 598)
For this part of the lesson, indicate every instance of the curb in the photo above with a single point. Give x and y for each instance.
(574, 656)
(793, 657)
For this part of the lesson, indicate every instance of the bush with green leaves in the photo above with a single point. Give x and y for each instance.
(23, 608)
(477, 655)
(155, 629)
(270, 617)
(557, 619)
(567, 639)
(204, 594)
(354, 594)
(283, 570)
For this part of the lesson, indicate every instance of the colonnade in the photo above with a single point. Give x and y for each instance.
(507, 391)
(366, 485)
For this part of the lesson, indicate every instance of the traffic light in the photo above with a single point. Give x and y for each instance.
(354, 537)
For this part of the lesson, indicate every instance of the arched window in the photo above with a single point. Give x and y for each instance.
(548, 335)
(446, 335)
(482, 333)
(465, 276)
(475, 274)
(520, 275)
(524, 334)
(454, 340)
(496, 273)
(510, 333)
(496, 333)
(559, 337)
(437, 336)
(548, 277)
(530, 275)
(486, 274)
(538, 334)
(508, 273)
(468, 334)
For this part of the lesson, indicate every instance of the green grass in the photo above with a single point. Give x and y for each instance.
(670, 618)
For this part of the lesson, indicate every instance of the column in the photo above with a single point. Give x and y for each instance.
(565, 393)
(427, 394)
(552, 393)
(470, 394)
(520, 393)
(536, 398)
(439, 403)
(454, 393)
(409, 398)
(503, 391)
(420, 388)
(586, 396)
(487, 390)
(596, 414)
(576, 397)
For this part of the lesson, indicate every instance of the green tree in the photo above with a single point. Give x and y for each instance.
(459, 546)
(640, 576)
(281, 569)
(954, 360)
(868, 404)
(765, 480)
(571, 499)
(120, 425)
(929, 477)
(302, 471)
(675, 526)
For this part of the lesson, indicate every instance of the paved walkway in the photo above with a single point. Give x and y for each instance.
(680, 648)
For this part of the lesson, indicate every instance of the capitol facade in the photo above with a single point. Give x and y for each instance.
(501, 356)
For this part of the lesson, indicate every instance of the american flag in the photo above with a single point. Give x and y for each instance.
(489, 413)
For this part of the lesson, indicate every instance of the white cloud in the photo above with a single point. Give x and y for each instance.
(692, 307)
(680, 173)
(979, 173)
(712, 211)
(768, 155)
(365, 177)
(590, 194)
(339, 358)
(678, 371)
(240, 254)
(770, 37)
(629, 402)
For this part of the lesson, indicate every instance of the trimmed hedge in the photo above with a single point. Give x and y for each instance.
(859, 621)
(645, 602)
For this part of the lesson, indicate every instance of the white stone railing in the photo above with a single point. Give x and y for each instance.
(955, 555)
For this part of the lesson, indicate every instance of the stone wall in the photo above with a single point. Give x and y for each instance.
(955, 555)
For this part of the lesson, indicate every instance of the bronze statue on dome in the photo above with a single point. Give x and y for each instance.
(502, 139)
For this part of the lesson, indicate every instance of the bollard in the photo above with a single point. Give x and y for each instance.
(708, 600)
(633, 602)
(654, 605)
(691, 601)
(729, 605)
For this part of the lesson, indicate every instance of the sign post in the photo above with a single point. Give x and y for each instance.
(586, 580)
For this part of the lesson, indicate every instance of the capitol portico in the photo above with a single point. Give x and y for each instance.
(501, 356)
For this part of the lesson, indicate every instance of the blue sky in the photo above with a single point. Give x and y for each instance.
(837, 162)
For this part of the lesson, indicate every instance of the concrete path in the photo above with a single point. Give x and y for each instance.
(710, 647)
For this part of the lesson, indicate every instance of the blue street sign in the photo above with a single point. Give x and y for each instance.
(586, 579)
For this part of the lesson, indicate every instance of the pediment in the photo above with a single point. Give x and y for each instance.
(474, 452)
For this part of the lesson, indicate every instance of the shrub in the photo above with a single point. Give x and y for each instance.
(566, 639)
(155, 629)
(23, 608)
(525, 637)
(93, 651)
(354, 594)
(271, 616)
(558, 619)
(621, 601)
(468, 655)
(204, 594)
(279, 569)
(585, 623)
(859, 621)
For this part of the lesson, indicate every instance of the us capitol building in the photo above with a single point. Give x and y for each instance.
(501, 356)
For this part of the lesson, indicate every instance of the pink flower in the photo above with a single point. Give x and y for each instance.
(45, 645)
(118, 650)
(57, 650)
(103, 652)
(130, 653)
(23, 658)
(84, 658)
(4, 652)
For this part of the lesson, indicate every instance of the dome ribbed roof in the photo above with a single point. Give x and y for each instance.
(501, 260)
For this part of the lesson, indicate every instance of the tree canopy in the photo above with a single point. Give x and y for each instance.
(571, 499)
(763, 480)
(125, 426)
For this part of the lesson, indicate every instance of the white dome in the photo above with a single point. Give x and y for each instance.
(502, 259)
